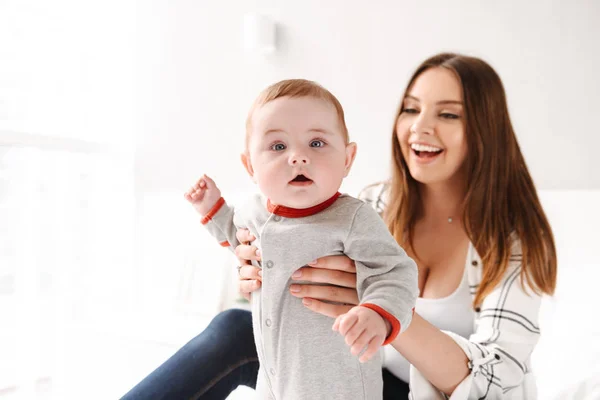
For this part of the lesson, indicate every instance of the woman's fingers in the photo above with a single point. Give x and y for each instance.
(249, 272)
(249, 286)
(329, 310)
(329, 293)
(244, 236)
(339, 263)
(319, 275)
(245, 253)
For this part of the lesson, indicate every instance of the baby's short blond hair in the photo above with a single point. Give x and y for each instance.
(296, 88)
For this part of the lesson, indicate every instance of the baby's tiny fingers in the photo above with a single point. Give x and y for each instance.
(336, 324)
(360, 342)
(347, 322)
(356, 334)
(208, 181)
(371, 350)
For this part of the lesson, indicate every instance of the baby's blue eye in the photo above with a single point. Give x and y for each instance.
(317, 143)
(278, 147)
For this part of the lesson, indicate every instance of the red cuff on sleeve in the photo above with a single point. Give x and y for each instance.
(213, 211)
(392, 320)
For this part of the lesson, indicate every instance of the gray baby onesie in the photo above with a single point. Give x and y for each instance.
(300, 356)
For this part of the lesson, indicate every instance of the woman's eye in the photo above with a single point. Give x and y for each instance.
(410, 111)
(317, 143)
(449, 116)
(278, 146)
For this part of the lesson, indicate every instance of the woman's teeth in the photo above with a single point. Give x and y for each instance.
(424, 147)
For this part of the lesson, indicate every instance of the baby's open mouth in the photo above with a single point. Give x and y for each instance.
(301, 180)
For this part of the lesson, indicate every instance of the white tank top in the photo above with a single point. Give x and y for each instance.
(452, 313)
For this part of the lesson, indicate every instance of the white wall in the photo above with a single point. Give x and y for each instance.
(66, 70)
(195, 84)
(567, 354)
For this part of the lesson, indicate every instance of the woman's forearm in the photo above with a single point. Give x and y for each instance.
(433, 353)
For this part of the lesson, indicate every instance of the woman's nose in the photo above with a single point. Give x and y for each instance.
(422, 124)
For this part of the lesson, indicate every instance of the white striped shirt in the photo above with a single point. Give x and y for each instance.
(506, 330)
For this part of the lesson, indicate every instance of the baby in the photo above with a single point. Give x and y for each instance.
(298, 152)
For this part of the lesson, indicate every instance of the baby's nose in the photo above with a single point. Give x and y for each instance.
(299, 159)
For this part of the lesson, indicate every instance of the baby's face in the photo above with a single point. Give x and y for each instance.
(297, 153)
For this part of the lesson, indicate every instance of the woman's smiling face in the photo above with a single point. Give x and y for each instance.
(431, 127)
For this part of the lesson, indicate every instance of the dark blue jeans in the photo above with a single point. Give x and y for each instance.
(216, 362)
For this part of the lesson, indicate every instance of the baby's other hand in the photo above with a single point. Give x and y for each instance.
(203, 195)
(362, 328)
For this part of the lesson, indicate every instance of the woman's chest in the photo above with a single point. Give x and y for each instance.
(441, 257)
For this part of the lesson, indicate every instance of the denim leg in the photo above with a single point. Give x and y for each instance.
(210, 366)
(393, 387)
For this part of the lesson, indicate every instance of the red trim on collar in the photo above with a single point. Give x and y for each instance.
(289, 212)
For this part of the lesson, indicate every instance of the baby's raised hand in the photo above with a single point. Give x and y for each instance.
(362, 327)
(203, 195)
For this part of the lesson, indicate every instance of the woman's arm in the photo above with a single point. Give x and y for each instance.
(492, 362)
(439, 358)
(499, 350)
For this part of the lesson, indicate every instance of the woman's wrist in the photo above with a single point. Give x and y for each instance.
(436, 355)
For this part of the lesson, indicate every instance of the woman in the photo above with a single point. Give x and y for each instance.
(462, 203)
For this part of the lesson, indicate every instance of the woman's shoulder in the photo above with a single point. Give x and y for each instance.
(375, 195)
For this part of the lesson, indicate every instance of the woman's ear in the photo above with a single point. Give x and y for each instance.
(245, 157)
(350, 155)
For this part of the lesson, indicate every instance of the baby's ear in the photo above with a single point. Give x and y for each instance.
(350, 155)
(245, 157)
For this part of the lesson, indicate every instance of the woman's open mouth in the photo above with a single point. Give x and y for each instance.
(424, 152)
(301, 180)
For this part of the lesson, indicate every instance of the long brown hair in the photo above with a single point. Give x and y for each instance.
(501, 203)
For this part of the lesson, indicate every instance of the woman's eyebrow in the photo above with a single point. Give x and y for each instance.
(441, 102)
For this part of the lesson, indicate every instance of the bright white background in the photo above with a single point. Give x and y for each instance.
(118, 106)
